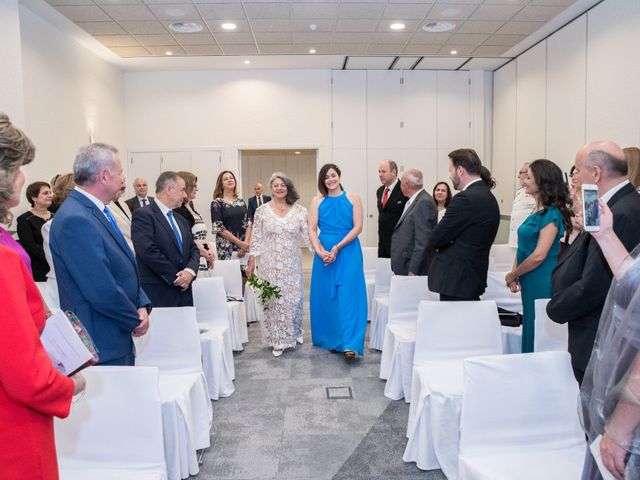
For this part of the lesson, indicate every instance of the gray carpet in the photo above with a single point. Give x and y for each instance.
(279, 423)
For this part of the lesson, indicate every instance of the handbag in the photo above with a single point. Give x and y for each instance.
(509, 319)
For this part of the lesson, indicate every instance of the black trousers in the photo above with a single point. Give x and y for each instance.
(451, 298)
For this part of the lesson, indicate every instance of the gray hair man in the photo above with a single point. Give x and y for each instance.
(95, 268)
(581, 279)
(410, 252)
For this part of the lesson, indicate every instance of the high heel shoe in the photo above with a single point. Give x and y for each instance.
(277, 353)
(350, 356)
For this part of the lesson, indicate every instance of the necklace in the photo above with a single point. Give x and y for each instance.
(280, 207)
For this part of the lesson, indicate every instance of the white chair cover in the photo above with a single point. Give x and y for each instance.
(447, 333)
(549, 335)
(173, 345)
(396, 362)
(520, 418)
(498, 291)
(115, 430)
(217, 355)
(229, 270)
(369, 261)
(380, 291)
(511, 339)
(252, 307)
(501, 256)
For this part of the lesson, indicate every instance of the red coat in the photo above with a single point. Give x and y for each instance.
(31, 390)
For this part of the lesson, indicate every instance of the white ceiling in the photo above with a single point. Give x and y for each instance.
(271, 34)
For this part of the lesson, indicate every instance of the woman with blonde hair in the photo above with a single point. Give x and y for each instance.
(633, 162)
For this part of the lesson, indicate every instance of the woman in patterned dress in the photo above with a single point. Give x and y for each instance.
(196, 223)
(229, 219)
(277, 229)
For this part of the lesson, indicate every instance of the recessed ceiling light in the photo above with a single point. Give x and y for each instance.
(297, 153)
(397, 26)
(313, 27)
(174, 12)
(229, 26)
(185, 27)
(454, 52)
(247, 62)
(437, 27)
(313, 50)
(168, 52)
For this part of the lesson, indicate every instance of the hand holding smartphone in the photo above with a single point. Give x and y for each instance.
(590, 210)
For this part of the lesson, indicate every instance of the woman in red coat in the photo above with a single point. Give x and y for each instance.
(32, 391)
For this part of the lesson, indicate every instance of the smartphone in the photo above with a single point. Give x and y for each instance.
(590, 208)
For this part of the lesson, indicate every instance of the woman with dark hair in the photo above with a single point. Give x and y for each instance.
(442, 196)
(338, 292)
(230, 222)
(30, 227)
(196, 223)
(278, 226)
(32, 391)
(539, 241)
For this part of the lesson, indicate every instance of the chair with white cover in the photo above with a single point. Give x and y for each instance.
(379, 306)
(369, 261)
(115, 431)
(229, 270)
(173, 345)
(210, 302)
(502, 256)
(498, 291)
(549, 335)
(396, 361)
(447, 333)
(519, 419)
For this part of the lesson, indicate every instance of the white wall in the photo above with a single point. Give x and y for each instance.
(579, 85)
(69, 94)
(11, 97)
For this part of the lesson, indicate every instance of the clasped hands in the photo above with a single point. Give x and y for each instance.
(512, 282)
(329, 257)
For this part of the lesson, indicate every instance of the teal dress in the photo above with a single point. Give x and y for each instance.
(338, 293)
(537, 283)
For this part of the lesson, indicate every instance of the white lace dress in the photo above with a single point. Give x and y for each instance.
(275, 242)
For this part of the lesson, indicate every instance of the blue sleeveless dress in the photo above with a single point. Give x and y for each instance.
(338, 293)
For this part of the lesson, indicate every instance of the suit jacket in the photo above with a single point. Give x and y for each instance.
(388, 217)
(253, 205)
(159, 256)
(582, 278)
(133, 203)
(97, 275)
(410, 251)
(463, 239)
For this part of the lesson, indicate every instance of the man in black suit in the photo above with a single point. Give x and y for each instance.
(582, 277)
(168, 258)
(391, 201)
(141, 199)
(464, 236)
(257, 200)
(410, 251)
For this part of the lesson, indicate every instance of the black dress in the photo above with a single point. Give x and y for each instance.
(30, 237)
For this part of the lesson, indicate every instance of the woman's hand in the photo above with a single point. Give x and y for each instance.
(613, 456)
(514, 286)
(79, 383)
(241, 253)
(242, 245)
(510, 277)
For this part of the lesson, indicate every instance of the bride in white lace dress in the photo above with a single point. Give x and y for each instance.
(278, 227)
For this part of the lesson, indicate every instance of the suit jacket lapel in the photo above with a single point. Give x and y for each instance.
(408, 210)
(165, 224)
(621, 193)
(577, 244)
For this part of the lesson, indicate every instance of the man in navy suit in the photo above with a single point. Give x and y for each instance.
(391, 202)
(257, 200)
(168, 258)
(95, 269)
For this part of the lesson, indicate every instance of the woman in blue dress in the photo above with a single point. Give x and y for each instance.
(539, 241)
(338, 292)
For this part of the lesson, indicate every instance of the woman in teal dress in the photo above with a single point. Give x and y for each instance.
(539, 241)
(338, 292)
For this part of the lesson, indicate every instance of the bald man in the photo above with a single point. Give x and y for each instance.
(257, 200)
(390, 201)
(582, 277)
(141, 199)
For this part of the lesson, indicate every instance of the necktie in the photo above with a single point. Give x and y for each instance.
(385, 197)
(112, 220)
(259, 197)
(144, 202)
(174, 227)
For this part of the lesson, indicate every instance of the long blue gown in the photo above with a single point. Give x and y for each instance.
(537, 283)
(338, 293)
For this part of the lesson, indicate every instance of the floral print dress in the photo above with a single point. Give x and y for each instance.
(231, 217)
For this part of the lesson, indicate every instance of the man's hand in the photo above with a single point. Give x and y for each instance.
(183, 279)
(142, 328)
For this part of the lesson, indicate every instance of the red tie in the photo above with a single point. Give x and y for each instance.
(385, 197)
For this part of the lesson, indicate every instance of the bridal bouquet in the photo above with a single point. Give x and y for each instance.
(264, 290)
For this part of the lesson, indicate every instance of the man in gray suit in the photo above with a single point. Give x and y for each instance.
(410, 252)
